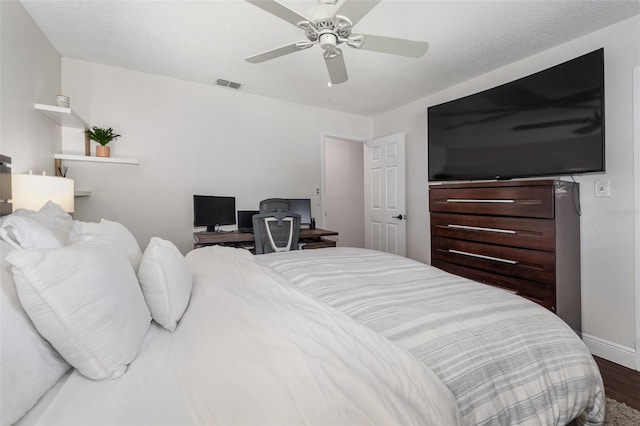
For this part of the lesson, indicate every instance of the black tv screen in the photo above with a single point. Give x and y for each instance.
(546, 124)
(213, 211)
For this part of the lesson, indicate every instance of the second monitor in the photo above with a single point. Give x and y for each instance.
(245, 220)
(302, 206)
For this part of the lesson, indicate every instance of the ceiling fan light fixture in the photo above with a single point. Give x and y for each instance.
(328, 42)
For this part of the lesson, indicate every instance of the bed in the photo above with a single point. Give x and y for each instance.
(329, 336)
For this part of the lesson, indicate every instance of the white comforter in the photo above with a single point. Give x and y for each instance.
(506, 360)
(254, 349)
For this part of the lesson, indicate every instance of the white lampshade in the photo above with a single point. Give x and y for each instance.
(33, 191)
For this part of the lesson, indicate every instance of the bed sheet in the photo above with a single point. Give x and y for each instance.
(505, 359)
(254, 349)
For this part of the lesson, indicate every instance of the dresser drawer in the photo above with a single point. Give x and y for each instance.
(536, 234)
(532, 265)
(521, 201)
(543, 294)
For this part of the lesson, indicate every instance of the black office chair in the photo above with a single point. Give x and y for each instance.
(273, 205)
(276, 231)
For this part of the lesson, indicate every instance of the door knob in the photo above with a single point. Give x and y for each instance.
(399, 217)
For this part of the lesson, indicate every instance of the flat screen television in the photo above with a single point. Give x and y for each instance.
(302, 206)
(213, 211)
(546, 124)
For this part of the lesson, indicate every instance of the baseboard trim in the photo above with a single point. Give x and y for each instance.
(610, 351)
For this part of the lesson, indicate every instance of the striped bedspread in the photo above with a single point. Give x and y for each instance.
(506, 360)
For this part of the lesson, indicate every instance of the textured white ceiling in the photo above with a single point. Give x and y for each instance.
(204, 40)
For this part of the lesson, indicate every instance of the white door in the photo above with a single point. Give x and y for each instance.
(385, 197)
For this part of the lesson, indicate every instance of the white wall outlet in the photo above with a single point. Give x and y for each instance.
(601, 188)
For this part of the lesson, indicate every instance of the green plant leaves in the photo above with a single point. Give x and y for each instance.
(100, 135)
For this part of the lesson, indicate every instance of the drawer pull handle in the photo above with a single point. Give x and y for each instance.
(482, 256)
(478, 228)
(469, 200)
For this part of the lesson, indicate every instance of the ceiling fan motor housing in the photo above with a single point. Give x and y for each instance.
(326, 26)
(323, 12)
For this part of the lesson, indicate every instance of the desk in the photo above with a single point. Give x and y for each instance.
(310, 238)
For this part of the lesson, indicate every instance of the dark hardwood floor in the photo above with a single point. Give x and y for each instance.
(620, 383)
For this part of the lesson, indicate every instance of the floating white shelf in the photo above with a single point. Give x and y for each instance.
(112, 160)
(64, 117)
(78, 193)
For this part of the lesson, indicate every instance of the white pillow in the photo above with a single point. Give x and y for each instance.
(109, 232)
(85, 300)
(166, 282)
(29, 366)
(49, 227)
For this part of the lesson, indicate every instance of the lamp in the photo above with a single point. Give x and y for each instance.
(33, 191)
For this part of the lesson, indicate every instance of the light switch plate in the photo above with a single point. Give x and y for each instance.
(601, 188)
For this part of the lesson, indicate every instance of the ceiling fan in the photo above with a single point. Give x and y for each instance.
(329, 26)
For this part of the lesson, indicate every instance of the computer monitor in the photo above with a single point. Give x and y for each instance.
(213, 211)
(302, 206)
(245, 220)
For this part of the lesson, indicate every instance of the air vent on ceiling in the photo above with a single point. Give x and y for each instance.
(227, 83)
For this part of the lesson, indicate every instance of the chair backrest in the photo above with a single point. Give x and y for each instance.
(274, 204)
(276, 231)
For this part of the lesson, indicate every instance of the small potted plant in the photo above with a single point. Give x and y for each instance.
(103, 137)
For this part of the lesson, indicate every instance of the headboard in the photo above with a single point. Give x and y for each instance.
(5, 185)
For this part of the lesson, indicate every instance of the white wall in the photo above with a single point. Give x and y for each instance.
(191, 138)
(30, 73)
(607, 223)
(344, 190)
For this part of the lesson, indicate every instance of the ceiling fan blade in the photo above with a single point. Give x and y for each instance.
(336, 67)
(391, 45)
(279, 51)
(279, 10)
(356, 9)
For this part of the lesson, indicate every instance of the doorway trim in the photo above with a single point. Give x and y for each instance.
(323, 136)
(636, 186)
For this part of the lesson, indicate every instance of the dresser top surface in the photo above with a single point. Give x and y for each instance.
(499, 184)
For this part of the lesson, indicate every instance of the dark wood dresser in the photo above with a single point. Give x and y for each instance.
(523, 236)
